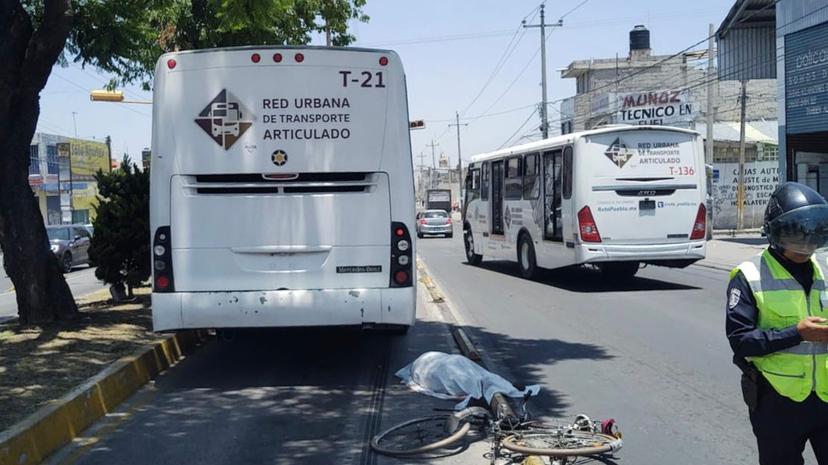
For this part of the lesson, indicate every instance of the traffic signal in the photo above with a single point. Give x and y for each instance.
(107, 96)
(417, 124)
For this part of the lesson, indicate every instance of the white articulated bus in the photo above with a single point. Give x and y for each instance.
(615, 197)
(282, 190)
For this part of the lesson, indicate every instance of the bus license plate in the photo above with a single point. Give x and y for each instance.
(644, 205)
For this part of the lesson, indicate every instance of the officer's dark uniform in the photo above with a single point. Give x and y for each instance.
(782, 425)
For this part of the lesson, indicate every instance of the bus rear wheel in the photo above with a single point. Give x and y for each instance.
(471, 257)
(526, 257)
(619, 270)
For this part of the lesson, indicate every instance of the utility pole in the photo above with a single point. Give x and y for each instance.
(543, 114)
(711, 117)
(421, 183)
(740, 195)
(459, 157)
(75, 122)
(433, 145)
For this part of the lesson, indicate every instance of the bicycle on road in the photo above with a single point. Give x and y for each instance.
(511, 438)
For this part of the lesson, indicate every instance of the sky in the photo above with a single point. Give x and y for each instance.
(454, 54)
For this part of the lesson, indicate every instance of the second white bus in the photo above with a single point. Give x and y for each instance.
(282, 190)
(616, 197)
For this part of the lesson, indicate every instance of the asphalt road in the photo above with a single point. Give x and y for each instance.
(300, 396)
(81, 281)
(652, 354)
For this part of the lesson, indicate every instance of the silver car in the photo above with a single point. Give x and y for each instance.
(434, 222)
(70, 244)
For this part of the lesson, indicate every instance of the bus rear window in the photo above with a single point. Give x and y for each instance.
(636, 154)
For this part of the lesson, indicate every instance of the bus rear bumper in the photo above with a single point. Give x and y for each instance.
(270, 309)
(682, 251)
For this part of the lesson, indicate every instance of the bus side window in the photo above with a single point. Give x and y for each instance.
(473, 185)
(567, 174)
(484, 182)
(531, 184)
(514, 187)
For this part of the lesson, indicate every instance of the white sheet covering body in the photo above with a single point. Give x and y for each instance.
(449, 376)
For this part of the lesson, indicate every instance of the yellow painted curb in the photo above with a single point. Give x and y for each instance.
(31, 441)
(432, 289)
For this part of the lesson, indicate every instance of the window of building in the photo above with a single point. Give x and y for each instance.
(34, 159)
(52, 165)
(531, 183)
(729, 153)
(513, 179)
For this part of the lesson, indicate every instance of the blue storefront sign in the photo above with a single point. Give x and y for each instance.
(806, 80)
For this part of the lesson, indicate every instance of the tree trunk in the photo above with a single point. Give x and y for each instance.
(28, 56)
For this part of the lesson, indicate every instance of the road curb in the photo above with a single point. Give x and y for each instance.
(715, 266)
(500, 403)
(33, 439)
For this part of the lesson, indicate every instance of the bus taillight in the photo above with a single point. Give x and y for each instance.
(383, 61)
(299, 57)
(162, 261)
(401, 253)
(587, 226)
(700, 225)
(255, 58)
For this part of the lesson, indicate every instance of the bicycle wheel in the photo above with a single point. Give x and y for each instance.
(419, 436)
(559, 442)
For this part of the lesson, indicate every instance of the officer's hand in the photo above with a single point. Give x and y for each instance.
(813, 329)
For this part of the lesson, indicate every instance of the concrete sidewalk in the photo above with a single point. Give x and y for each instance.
(725, 253)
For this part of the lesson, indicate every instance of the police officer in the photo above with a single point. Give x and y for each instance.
(777, 325)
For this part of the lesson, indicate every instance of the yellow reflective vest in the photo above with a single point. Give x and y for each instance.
(797, 371)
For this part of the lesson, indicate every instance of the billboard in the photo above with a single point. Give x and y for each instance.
(87, 158)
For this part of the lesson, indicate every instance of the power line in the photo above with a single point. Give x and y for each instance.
(701, 81)
(675, 55)
(518, 129)
(87, 90)
(443, 38)
(573, 9)
(507, 53)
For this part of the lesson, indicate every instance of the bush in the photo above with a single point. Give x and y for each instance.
(120, 247)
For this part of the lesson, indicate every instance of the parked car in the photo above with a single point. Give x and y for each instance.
(434, 222)
(70, 244)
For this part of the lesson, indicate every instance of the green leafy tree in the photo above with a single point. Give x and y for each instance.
(120, 247)
(123, 37)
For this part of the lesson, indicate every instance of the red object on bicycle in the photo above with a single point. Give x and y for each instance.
(608, 427)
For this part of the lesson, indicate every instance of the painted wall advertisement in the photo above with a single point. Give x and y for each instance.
(761, 178)
(662, 107)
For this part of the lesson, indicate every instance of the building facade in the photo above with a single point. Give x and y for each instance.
(642, 88)
(801, 53)
(61, 175)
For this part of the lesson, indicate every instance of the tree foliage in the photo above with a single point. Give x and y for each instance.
(120, 246)
(126, 37)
